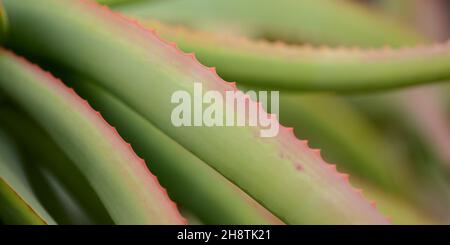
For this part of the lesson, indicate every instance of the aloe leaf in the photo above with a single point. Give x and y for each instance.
(313, 21)
(282, 173)
(192, 182)
(265, 64)
(55, 180)
(18, 204)
(120, 178)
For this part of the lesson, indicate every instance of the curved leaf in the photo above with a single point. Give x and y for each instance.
(299, 21)
(131, 194)
(277, 65)
(193, 183)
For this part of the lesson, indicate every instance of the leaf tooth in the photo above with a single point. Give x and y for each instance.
(173, 44)
(213, 70)
(160, 187)
(70, 90)
(85, 103)
(191, 55)
(345, 176)
(175, 206)
(232, 84)
(316, 152)
(304, 142)
(332, 167)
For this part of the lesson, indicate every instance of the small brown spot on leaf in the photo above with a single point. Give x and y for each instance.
(298, 166)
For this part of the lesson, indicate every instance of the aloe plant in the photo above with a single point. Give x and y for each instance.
(61, 162)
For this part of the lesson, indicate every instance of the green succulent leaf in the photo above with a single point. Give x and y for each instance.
(131, 194)
(294, 67)
(192, 182)
(277, 65)
(329, 22)
(134, 65)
